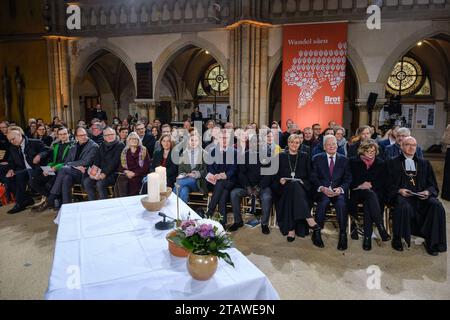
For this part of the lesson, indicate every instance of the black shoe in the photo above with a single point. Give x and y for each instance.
(265, 229)
(354, 231)
(397, 244)
(367, 243)
(383, 233)
(28, 202)
(290, 239)
(316, 237)
(236, 226)
(57, 204)
(342, 244)
(17, 209)
(429, 250)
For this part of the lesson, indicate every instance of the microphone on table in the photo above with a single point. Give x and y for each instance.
(164, 225)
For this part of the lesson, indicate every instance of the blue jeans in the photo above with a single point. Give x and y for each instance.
(187, 185)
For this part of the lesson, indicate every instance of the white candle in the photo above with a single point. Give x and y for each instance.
(162, 178)
(153, 187)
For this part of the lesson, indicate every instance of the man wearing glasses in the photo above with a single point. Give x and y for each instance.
(148, 140)
(43, 182)
(103, 173)
(413, 191)
(81, 155)
(394, 150)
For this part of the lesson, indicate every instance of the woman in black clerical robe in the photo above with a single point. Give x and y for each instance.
(368, 187)
(293, 208)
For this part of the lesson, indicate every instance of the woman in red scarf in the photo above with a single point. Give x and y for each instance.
(368, 187)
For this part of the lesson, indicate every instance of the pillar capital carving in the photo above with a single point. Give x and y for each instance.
(361, 106)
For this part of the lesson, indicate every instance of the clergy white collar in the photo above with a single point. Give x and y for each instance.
(410, 165)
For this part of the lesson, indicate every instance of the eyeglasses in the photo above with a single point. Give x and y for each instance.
(109, 135)
(81, 135)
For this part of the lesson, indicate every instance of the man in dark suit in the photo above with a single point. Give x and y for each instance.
(253, 184)
(331, 178)
(196, 115)
(222, 174)
(394, 150)
(81, 155)
(108, 161)
(391, 138)
(99, 113)
(4, 152)
(148, 140)
(25, 157)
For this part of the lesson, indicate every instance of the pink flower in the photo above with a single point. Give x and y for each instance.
(190, 230)
(206, 231)
(187, 223)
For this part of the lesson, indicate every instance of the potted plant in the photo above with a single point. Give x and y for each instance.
(205, 241)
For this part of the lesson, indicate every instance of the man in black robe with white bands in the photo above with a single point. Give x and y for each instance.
(413, 191)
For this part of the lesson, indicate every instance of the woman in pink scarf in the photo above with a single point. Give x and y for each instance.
(368, 187)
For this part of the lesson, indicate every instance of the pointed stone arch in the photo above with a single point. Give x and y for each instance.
(407, 44)
(171, 52)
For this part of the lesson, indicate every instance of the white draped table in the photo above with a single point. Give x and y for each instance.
(110, 249)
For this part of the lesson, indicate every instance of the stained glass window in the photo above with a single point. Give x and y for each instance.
(407, 78)
(200, 91)
(426, 89)
(216, 81)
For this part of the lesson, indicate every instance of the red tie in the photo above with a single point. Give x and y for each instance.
(331, 166)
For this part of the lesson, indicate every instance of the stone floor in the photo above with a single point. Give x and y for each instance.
(297, 270)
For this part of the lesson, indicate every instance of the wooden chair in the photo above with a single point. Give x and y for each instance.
(330, 215)
(360, 214)
(78, 191)
(198, 199)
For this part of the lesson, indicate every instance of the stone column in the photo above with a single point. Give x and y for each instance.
(363, 112)
(376, 113)
(447, 108)
(248, 73)
(59, 78)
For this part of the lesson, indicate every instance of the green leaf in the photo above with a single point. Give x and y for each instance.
(213, 245)
(226, 257)
(187, 244)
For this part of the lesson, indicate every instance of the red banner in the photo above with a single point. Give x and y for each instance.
(314, 60)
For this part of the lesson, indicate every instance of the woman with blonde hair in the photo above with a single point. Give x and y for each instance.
(293, 188)
(134, 165)
(446, 183)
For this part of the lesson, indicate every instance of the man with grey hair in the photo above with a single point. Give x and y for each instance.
(103, 171)
(96, 133)
(394, 150)
(331, 177)
(413, 191)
